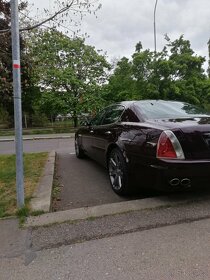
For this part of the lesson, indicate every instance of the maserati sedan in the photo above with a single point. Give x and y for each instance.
(157, 144)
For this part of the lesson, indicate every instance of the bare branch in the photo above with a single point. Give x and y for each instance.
(51, 18)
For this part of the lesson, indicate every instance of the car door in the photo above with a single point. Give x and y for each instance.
(106, 132)
(88, 133)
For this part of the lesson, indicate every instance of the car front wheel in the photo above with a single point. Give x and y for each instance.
(118, 174)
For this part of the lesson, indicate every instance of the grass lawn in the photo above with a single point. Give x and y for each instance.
(33, 167)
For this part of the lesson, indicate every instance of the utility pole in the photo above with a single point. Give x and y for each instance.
(155, 37)
(17, 102)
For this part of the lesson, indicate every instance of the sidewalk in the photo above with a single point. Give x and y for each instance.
(13, 238)
(38, 137)
(178, 252)
(169, 243)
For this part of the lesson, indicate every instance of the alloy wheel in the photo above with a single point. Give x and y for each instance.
(116, 172)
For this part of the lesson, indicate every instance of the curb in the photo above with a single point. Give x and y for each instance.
(41, 200)
(107, 209)
(38, 138)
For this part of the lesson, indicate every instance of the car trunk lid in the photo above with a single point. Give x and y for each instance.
(193, 135)
(196, 142)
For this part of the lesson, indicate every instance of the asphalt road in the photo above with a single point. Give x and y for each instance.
(84, 183)
(35, 146)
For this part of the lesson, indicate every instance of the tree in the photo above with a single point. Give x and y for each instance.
(121, 83)
(187, 64)
(209, 58)
(51, 104)
(142, 68)
(69, 67)
(175, 73)
(61, 14)
(5, 58)
(31, 93)
(6, 96)
(187, 70)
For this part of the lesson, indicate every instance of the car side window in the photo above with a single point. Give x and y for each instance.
(129, 116)
(112, 115)
(98, 118)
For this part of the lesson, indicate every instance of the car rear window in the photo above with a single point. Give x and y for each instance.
(168, 109)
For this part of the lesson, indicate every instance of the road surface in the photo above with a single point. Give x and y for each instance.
(177, 252)
(35, 146)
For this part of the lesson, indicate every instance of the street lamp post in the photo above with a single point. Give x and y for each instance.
(17, 102)
(155, 37)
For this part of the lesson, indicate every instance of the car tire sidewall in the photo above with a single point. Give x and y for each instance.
(124, 189)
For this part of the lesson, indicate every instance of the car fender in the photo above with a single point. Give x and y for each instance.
(119, 145)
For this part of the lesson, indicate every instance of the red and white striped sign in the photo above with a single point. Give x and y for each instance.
(16, 64)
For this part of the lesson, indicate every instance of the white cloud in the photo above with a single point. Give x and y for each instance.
(120, 24)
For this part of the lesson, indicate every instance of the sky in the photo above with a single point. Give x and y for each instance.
(120, 24)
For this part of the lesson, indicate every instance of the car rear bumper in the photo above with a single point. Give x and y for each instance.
(186, 174)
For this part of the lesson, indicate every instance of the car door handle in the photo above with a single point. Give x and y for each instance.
(91, 131)
(108, 133)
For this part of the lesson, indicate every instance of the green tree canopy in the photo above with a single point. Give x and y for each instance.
(29, 92)
(175, 73)
(69, 67)
(121, 84)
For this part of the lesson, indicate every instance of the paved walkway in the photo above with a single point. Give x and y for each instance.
(13, 239)
(179, 252)
(163, 243)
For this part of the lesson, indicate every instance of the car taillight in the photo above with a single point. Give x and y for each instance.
(169, 146)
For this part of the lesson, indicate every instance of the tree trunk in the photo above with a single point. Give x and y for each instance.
(51, 117)
(25, 121)
(75, 118)
(75, 122)
(30, 120)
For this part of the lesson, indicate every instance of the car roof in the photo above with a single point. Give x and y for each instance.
(129, 103)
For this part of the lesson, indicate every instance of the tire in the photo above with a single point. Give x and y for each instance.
(78, 150)
(118, 174)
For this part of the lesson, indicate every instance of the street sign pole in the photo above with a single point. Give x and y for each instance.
(17, 102)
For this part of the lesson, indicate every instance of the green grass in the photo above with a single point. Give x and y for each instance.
(33, 167)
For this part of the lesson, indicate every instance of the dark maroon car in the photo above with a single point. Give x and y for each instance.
(151, 143)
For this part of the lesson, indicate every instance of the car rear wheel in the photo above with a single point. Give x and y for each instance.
(118, 174)
(78, 150)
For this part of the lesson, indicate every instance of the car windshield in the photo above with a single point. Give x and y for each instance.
(168, 109)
